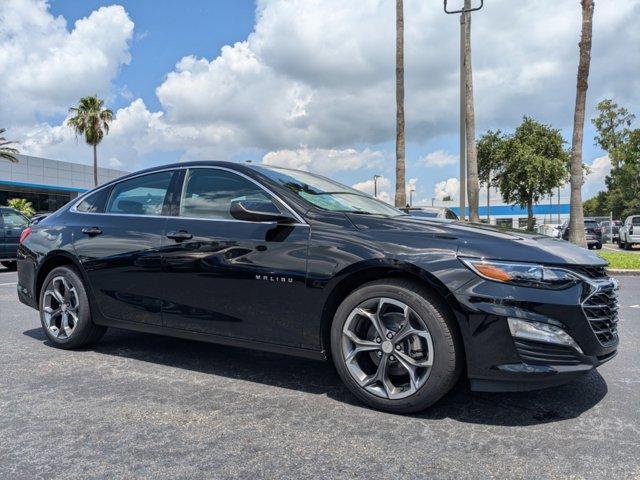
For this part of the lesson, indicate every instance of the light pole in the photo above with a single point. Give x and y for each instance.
(463, 107)
(375, 185)
(411, 196)
(433, 199)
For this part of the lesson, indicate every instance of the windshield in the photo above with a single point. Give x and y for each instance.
(327, 194)
(423, 213)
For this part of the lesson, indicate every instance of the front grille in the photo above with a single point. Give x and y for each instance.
(589, 271)
(537, 353)
(601, 309)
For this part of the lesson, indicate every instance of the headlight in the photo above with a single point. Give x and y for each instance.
(524, 274)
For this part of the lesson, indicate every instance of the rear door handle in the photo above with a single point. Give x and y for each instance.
(92, 231)
(179, 236)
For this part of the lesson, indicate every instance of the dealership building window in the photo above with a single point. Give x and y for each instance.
(48, 184)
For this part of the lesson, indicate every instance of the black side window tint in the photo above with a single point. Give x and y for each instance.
(141, 195)
(95, 202)
(208, 193)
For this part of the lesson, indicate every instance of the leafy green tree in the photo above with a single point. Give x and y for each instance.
(596, 206)
(91, 120)
(612, 124)
(528, 165)
(622, 143)
(488, 146)
(22, 205)
(6, 151)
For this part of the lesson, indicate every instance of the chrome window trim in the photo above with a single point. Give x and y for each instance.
(300, 221)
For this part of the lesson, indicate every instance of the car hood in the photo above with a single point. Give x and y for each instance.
(478, 240)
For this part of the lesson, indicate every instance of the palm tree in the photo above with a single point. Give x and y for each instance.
(576, 214)
(6, 151)
(473, 184)
(92, 121)
(401, 194)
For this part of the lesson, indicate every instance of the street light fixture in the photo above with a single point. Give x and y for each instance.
(375, 185)
(463, 107)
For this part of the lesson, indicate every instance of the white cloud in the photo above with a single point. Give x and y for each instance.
(324, 161)
(367, 186)
(594, 181)
(308, 91)
(449, 187)
(439, 158)
(45, 68)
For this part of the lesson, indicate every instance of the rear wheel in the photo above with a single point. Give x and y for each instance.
(65, 312)
(395, 347)
(12, 265)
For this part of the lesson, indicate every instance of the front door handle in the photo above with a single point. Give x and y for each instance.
(179, 236)
(92, 231)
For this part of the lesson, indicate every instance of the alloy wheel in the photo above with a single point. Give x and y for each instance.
(387, 348)
(60, 306)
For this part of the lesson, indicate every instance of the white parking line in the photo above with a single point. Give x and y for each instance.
(8, 284)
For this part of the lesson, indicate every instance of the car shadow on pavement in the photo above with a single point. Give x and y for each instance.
(320, 378)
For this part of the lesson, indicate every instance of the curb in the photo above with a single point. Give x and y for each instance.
(623, 273)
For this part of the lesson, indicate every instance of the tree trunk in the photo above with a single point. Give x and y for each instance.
(401, 194)
(576, 214)
(95, 165)
(473, 184)
(530, 215)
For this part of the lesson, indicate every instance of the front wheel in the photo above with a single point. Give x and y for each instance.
(64, 310)
(395, 347)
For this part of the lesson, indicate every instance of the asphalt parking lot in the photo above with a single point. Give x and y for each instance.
(143, 406)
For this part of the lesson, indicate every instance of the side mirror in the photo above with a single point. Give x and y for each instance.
(257, 211)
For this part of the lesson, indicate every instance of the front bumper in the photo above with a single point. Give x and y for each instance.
(496, 361)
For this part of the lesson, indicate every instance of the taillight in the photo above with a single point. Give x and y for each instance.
(25, 233)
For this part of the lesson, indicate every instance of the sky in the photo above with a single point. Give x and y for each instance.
(303, 83)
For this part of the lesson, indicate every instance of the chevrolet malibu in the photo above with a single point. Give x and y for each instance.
(291, 262)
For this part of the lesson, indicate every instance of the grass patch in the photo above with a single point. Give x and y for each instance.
(621, 260)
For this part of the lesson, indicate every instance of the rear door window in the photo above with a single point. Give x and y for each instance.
(143, 195)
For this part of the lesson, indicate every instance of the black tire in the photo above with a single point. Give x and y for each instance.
(85, 332)
(621, 244)
(447, 354)
(599, 246)
(11, 265)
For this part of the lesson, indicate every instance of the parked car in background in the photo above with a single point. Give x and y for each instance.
(12, 223)
(611, 230)
(630, 232)
(550, 229)
(441, 213)
(288, 261)
(592, 230)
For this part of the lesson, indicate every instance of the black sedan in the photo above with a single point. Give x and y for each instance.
(292, 262)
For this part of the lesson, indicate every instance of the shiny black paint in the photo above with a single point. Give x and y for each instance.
(276, 286)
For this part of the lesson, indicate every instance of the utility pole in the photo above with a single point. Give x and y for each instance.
(463, 107)
(558, 204)
(375, 185)
(411, 196)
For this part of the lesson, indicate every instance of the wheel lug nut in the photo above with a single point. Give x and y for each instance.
(379, 354)
(398, 347)
(389, 335)
(378, 340)
(392, 358)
